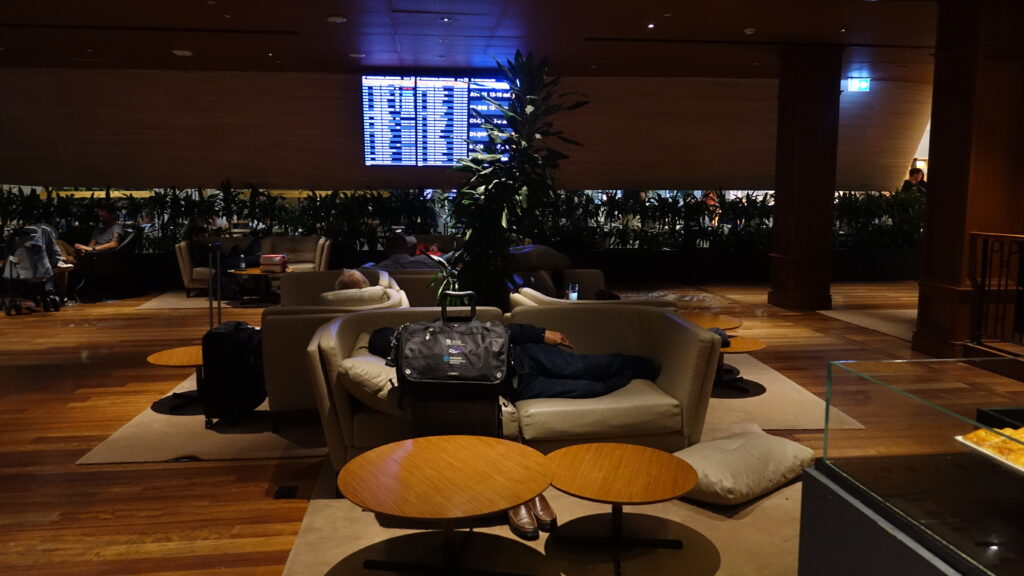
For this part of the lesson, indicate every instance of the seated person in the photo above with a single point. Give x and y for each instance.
(542, 367)
(107, 234)
(422, 261)
(351, 280)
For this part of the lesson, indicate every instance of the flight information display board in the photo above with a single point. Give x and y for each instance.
(425, 121)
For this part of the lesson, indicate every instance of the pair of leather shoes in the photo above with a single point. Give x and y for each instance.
(527, 520)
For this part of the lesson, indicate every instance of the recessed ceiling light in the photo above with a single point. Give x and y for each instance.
(650, 26)
(357, 55)
(749, 31)
(842, 29)
(271, 54)
(225, 15)
(337, 19)
(181, 52)
(667, 15)
(447, 19)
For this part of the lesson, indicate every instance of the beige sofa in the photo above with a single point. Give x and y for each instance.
(305, 253)
(287, 329)
(667, 414)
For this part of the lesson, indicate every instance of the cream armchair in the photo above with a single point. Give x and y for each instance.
(287, 328)
(667, 413)
(305, 288)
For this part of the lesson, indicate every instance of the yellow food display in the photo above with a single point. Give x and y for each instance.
(999, 445)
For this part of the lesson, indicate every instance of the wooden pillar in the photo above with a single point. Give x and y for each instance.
(974, 160)
(805, 177)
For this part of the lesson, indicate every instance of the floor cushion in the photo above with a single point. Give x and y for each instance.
(740, 467)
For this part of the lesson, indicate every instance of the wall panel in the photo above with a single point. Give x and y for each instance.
(150, 128)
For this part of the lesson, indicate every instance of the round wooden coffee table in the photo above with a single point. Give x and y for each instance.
(620, 474)
(184, 357)
(709, 320)
(443, 478)
(262, 281)
(729, 384)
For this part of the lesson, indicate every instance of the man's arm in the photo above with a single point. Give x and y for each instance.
(92, 246)
(530, 334)
(109, 245)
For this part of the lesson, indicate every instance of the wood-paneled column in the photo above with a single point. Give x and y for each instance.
(805, 176)
(975, 156)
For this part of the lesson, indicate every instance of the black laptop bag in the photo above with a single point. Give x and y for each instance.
(451, 372)
(453, 357)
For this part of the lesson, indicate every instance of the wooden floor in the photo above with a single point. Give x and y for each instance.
(200, 518)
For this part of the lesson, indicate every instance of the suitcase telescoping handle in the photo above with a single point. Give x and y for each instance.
(214, 262)
(447, 295)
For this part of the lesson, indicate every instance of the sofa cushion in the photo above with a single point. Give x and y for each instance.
(362, 345)
(371, 381)
(638, 408)
(297, 248)
(354, 297)
(743, 466)
(301, 266)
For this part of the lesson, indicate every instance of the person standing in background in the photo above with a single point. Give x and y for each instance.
(915, 179)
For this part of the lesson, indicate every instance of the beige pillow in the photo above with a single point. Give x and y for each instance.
(743, 466)
(362, 345)
(372, 382)
(354, 297)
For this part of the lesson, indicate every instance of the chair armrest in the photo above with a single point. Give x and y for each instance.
(516, 300)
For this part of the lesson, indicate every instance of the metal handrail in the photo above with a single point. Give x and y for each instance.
(996, 274)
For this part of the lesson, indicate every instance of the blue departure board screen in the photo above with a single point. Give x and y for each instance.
(425, 121)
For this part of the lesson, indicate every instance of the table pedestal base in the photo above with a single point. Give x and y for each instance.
(449, 561)
(617, 541)
(730, 384)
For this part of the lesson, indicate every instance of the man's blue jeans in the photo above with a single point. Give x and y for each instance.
(547, 371)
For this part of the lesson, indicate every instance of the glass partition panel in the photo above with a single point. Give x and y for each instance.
(941, 451)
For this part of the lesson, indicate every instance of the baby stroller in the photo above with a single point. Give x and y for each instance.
(30, 256)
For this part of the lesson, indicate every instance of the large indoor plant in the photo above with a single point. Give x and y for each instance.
(510, 178)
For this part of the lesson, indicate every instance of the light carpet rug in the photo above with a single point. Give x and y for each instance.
(155, 437)
(759, 538)
(785, 405)
(177, 300)
(896, 323)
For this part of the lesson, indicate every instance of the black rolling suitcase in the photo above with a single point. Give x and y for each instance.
(452, 371)
(232, 377)
(232, 383)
